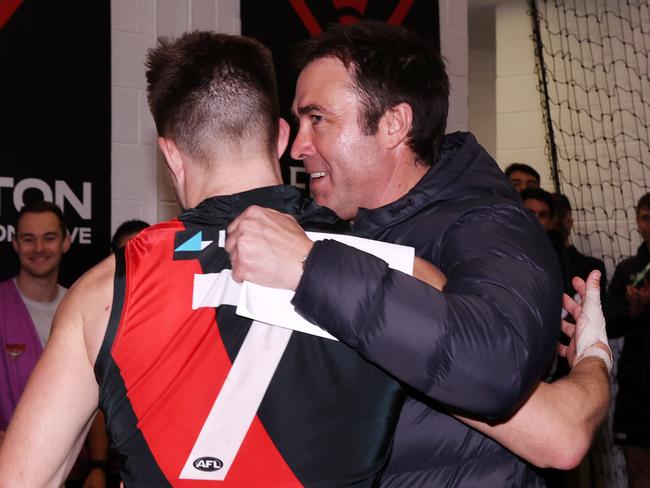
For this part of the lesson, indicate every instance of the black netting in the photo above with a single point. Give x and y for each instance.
(596, 95)
(592, 65)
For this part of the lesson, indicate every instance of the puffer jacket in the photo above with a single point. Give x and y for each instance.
(477, 348)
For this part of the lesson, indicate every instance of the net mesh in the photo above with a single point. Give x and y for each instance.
(596, 60)
(593, 64)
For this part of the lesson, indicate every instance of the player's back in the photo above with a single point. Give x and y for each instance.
(192, 391)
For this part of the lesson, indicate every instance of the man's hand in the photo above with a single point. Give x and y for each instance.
(2, 437)
(637, 298)
(267, 247)
(588, 335)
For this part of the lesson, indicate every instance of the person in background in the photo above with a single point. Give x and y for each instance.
(577, 264)
(542, 205)
(28, 303)
(522, 176)
(29, 300)
(628, 316)
(126, 231)
(540, 202)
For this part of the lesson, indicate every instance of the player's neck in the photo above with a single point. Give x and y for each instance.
(237, 178)
(40, 289)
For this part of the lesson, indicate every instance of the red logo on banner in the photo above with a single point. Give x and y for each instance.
(7, 9)
(350, 12)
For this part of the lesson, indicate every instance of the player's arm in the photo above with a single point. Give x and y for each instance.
(555, 426)
(56, 409)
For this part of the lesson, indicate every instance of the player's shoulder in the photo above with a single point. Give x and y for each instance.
(94, 283)
(88, 303)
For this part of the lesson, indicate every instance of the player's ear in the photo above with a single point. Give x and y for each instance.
(283, 136)
(173, 157)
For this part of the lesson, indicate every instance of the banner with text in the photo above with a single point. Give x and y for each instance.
(55, 123)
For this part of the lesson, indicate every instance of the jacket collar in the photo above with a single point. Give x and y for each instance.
(463, 170)
(222, 210)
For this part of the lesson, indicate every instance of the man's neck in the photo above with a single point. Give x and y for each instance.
(232, 179)
(407, 174)
(42, 290)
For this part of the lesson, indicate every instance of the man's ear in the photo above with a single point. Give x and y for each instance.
(283, 136)
(172, 157)
(396, 124)
(66, 242)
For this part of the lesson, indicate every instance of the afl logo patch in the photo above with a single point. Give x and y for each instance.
(208, 464)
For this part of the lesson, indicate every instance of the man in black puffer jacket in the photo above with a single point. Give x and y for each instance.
(371, 101)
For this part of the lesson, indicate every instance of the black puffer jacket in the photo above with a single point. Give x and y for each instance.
(480, 346)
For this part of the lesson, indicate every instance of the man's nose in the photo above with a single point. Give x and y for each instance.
(302, 145)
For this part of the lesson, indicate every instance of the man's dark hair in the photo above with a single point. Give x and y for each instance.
(389, 66)
(127, 228)
(644, 203)
(42, 206)
(209, 90)
(539, 194)
(524, 168)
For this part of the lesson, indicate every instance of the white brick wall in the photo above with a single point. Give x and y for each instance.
(139, 177)
(482, 77)
(520, 127)
(453, 45)
(521, 131)
(139, 186)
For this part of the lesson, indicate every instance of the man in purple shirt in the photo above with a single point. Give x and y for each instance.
(28, 300)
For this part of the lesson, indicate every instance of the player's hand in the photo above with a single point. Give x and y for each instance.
(267, 247)
(588, 335)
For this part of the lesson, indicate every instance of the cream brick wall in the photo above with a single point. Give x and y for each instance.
(520, 126)
(139, 186)
(139, 179)
(482, 77)
(521, 131)
(454, 48)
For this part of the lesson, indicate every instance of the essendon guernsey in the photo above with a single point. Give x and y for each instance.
(195, 395)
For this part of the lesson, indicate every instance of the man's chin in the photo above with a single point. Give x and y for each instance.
(41, 273)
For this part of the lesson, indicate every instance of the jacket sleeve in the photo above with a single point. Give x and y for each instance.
(481, 345)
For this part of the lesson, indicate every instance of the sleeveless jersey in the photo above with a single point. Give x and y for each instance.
(195, 395)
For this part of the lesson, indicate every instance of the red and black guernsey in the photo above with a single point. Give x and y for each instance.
(326, 418)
